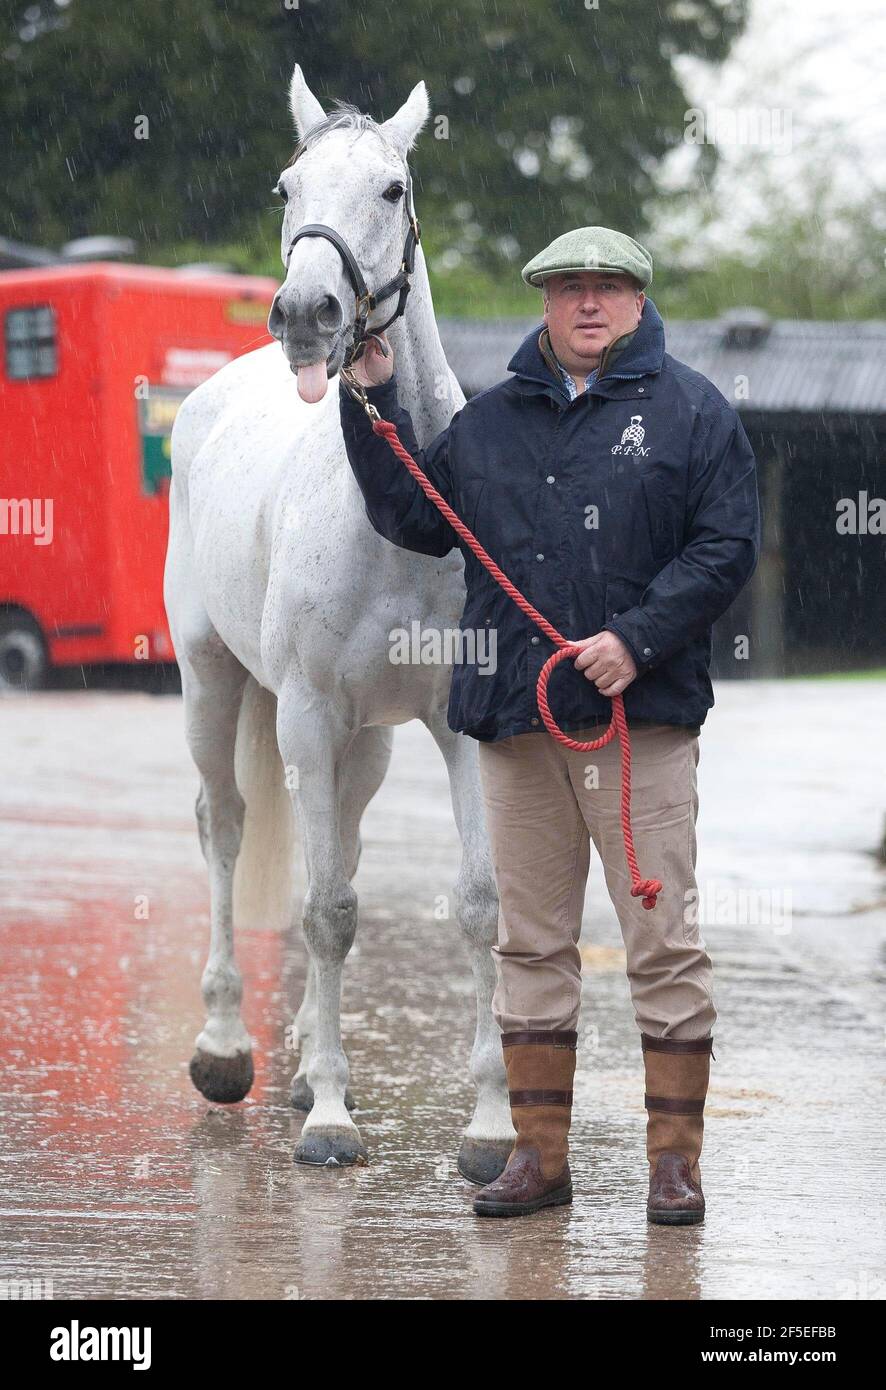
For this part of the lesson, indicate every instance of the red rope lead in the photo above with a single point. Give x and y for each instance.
(645, 888)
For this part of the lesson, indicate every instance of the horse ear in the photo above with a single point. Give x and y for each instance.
(402, 129)
(306, 109)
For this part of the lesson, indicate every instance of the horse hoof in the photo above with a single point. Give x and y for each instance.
(330, 1148)
(483, 1160)
(222, 1079)
(303, 1096)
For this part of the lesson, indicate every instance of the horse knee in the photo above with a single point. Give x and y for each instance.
(330, 921)
(477, 908)
(220, 825)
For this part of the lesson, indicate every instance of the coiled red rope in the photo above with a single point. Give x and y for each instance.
(646, 888)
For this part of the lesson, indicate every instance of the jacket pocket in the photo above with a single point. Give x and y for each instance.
(661, 519)
(469, 497)
(621, 594)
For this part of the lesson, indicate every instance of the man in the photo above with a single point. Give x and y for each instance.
(616, 487)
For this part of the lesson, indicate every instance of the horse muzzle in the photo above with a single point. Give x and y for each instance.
(311, 341)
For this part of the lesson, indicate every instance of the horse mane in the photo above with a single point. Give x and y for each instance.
(345, 117)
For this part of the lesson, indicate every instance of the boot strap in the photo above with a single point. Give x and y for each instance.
(517, 1098)
(677, 1045)
(674, 1105)
(569, 1040)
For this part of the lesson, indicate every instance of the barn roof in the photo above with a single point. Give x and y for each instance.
(790, 364)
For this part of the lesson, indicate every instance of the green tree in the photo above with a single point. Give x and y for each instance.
(544, 116)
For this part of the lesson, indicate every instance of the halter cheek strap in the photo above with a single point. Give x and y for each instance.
(366, 300)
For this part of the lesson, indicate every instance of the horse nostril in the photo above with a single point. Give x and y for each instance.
(276, 320)
(328, 312)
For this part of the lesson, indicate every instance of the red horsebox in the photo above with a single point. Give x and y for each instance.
(97, 358)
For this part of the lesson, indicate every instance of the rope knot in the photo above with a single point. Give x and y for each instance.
(649, 888)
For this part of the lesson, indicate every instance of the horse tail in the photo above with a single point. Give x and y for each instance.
(264, 879)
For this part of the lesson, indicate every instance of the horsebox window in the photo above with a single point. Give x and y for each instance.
(31, 342)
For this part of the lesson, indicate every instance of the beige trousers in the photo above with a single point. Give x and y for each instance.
(544, 804)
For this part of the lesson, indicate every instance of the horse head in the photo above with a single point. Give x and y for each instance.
(349, 231)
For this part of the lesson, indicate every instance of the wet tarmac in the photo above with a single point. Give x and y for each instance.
(119, 1180)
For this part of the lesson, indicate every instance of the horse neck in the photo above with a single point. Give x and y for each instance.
(423, 382)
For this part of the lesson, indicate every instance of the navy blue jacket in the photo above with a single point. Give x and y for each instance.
(633, 508)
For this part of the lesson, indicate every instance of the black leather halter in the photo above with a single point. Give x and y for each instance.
(367, 301)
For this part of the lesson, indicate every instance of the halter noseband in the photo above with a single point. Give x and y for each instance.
(367, 301)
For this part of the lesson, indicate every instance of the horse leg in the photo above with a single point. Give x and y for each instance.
(313, 741)
(212, 685)
(489, 1138)
(305, 1024)
(361, 773)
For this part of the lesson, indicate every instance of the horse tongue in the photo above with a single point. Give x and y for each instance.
(312, 381)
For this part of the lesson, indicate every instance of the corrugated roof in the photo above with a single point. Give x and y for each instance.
(796, 365)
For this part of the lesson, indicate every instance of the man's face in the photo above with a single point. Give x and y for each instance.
(585, 311)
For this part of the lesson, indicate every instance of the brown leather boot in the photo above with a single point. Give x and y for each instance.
(677, 1072)
(541, 1068)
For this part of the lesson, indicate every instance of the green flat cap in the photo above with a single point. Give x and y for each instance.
(590, 248)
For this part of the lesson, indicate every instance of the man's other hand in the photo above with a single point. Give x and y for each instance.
(607, 662)
(372, 366)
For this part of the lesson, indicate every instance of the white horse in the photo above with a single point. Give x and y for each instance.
(281, 598)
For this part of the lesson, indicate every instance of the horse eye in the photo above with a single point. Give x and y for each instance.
(281, 192)
(394, 193)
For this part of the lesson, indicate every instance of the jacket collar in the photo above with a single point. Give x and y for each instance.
(610, 353)
(642, 355)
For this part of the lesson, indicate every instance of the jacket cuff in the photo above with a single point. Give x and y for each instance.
(384, 394)
(384, 390)
(636, 632)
